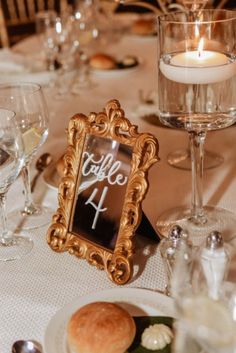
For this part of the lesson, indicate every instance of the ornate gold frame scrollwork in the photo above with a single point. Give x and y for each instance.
(111, 123)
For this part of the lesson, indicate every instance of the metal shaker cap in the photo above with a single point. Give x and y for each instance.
(176, 232)
(214, 240)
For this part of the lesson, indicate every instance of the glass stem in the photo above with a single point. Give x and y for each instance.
(5, 236)
(197, 139)
(29, 207)
(84, 69)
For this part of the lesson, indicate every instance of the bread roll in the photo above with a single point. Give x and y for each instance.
(100, 327)
(143, 27)
(102, 62)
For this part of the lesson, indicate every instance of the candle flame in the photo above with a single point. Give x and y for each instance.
(197, 32)
(200, 47)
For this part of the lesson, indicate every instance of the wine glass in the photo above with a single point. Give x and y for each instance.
(196, 59)
(27, 101)
(87, 34)
(67, 43)
(45, 28)
(107, 7)
(12, 246)
(204, 290)
(194, 5)
(110, 26)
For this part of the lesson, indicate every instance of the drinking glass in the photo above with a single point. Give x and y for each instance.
(197, 69)
(12, 246)
(204, 291)
(194, 5)
(45, 28)
(27, 101)
(87, 34)
(110, 26)
(181, 158)
(67, 43)
(107, 7)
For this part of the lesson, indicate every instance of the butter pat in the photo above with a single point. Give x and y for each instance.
(156, 336)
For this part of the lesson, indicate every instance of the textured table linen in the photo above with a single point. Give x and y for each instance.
(35, 287)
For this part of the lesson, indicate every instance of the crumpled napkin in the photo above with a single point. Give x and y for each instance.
(16, 67)
(11, 62)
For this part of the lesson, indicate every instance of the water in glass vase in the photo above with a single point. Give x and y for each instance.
(202, 97)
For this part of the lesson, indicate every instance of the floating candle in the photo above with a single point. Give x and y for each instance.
(198, 67)
(205, 59)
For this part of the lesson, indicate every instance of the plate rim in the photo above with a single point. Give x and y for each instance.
(144, 294)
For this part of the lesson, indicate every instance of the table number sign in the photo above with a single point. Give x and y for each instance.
(100, 195)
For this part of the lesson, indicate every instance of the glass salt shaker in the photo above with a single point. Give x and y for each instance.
(214, 260)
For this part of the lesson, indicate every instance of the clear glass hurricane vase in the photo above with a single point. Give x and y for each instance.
(12, 246)
(28, 103)
(197, 69)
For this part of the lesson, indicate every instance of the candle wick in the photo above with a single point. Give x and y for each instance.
(199, 53)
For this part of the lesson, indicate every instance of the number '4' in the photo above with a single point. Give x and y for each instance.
(98, 207)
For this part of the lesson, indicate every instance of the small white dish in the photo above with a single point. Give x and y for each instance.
(137, 301)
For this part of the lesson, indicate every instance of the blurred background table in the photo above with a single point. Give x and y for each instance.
(34, 288)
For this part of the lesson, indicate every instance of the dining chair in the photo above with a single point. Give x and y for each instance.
(17, 17)
(4, 40)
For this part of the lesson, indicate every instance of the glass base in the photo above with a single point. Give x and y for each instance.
(181, 159)
(17, 220)
(15, 249)
(218, 219)
(79, 86)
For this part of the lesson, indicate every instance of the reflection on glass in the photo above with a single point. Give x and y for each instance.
(28, 102)
(197, 70)
(12, 246)
(101, 190)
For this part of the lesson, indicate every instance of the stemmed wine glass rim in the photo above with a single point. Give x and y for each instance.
(173, 18)
(13, 114)
(35, 87)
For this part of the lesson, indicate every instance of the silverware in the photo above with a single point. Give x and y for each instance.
(42, 162)
(26, 346)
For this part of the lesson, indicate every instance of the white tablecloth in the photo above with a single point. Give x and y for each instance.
(34, 288)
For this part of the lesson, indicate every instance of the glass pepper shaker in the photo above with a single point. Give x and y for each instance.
(168, 248)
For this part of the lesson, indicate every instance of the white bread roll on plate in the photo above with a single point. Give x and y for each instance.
(102, 61)
(100, 327)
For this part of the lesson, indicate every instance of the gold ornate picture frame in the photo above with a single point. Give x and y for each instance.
(110, 126)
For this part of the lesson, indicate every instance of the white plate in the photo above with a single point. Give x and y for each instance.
(137, 301)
